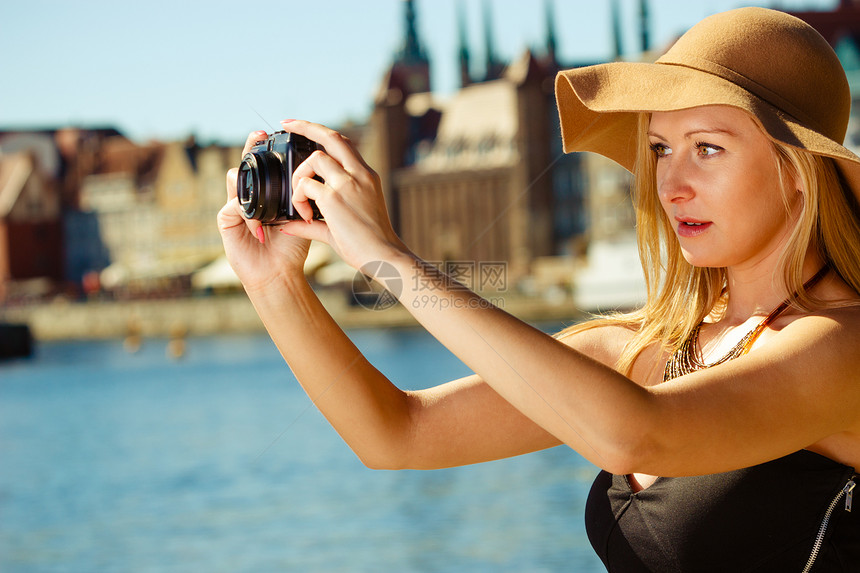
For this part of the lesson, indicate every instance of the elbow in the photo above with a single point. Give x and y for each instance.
(388, 455)
(638, 442)
(380, 462)
(623, 461)
(394, 458)
(399, 446)
(627, 454)
(389, 445)
(373, 464)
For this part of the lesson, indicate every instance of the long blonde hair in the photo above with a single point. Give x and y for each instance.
(680, 296)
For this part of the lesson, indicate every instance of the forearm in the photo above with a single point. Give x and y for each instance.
(370, 413)
(565, 393)
(585, 404)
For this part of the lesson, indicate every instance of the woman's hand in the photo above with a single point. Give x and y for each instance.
(349, 197)
(259, 255)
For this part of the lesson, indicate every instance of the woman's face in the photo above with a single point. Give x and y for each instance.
(719, 185)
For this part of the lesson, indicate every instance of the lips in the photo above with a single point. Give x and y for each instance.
(691, 227)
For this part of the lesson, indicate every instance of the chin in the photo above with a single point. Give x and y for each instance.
(704, 260)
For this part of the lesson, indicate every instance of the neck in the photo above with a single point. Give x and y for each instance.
(756, 290)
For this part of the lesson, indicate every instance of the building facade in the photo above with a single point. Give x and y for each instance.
(84, 211)
(478, 177)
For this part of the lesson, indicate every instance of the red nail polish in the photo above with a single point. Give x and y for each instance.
(260, 235)
(287, 120)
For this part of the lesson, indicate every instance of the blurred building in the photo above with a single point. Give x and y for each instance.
(154, 207)
(87, 210)
(478, 176)
(841, 28)
(30, 215)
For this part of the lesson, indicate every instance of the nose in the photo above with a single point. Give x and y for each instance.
(674, 179)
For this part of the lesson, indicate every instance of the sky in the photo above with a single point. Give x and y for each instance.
(218, 69)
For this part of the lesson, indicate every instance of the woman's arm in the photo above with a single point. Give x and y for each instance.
(571, 396)
(457, 423)
(581, 401)
(799, 388)
(609, 419)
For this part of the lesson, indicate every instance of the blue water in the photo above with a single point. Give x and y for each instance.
(111, 461)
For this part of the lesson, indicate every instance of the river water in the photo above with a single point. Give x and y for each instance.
(118, 461)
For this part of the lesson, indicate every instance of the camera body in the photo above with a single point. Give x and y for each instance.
(264, 187)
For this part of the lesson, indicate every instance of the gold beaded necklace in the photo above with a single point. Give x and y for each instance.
(687, 358)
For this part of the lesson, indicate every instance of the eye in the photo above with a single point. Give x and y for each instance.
(661, 150)
(707, 150)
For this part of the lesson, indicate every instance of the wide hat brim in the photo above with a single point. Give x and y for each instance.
(599, 107)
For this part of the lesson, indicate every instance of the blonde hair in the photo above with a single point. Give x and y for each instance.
(680, 296)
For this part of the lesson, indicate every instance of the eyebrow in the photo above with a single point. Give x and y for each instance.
(714, 130)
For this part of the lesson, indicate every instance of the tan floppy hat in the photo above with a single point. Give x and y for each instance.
(766, 62)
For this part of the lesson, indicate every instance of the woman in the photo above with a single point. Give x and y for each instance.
(748, 405)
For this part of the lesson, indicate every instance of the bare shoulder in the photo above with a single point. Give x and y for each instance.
(818, 353)
(843, 320)
(602, 341)
(838, 328)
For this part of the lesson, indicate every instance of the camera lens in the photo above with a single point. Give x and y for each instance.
(261, 186)
(246, 189)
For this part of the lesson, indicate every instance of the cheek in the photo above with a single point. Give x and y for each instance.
(764, 220)
(774, 201)
(773, 191)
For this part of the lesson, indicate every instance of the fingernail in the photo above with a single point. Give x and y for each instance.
(260, 235)
(287, 120)
(281, 230)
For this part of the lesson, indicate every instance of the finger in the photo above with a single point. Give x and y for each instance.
(306, 189)
(336, 144)
(232, 183)
(313, 230)
(322, 164)
(233, 174)
(231, 215)
(253, 139)
(255, 227)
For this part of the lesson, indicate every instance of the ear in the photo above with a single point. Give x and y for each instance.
(792, 180)
(797, 182)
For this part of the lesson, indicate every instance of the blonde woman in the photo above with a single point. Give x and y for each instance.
(738, 382)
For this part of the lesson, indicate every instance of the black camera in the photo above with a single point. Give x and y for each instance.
(265, 188)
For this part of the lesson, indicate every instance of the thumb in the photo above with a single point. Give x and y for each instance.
(314, 230)
(230, 216)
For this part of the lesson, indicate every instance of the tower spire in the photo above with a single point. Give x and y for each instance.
(551, 42)
(617, 48)
(644, 25)
(411, 69)
(412, 51)
(463, 52)
(494, 67)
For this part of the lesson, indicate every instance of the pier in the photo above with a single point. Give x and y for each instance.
(212, 315)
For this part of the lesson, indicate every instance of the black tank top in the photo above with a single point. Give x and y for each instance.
(763, 518)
